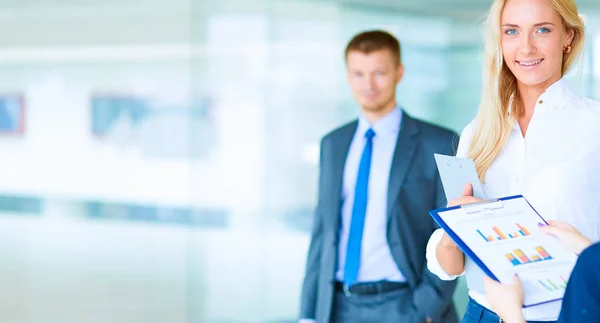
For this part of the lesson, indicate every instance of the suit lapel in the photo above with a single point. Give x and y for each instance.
(340, 148)
(406, 147)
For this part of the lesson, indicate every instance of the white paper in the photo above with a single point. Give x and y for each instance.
(505, 236)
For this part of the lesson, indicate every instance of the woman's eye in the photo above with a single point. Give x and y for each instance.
(543, 30)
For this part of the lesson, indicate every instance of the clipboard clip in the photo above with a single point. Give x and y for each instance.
(493, 204)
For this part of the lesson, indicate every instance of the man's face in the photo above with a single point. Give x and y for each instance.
(373, 78)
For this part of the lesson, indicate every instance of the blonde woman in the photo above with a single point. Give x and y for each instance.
(532, 135)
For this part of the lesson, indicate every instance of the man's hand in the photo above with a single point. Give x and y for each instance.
(567, 235)
(506, 300)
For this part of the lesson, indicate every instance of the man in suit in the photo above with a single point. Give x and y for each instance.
(378, 181)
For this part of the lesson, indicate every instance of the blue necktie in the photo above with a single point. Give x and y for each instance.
(359, 210)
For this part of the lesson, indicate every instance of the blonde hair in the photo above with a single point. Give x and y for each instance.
(493, 124)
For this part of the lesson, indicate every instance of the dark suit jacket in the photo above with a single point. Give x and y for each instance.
(414, 189)
(581, 302)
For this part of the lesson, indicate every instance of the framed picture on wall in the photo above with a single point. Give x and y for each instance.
(12, 114)
(108, 111)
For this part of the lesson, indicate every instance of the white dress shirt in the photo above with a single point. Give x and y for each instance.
(376, 262)
(556, 166)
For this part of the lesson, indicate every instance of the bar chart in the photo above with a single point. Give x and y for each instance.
(542, 283)
(518, 257)
(554, 285)
(499, 235)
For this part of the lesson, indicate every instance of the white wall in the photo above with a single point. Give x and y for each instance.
(57, 57)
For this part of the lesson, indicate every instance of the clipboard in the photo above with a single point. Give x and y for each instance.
(455, 172)
(470, 209)
(488, 207)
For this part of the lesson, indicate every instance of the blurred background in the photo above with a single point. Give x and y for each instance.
(159, 158)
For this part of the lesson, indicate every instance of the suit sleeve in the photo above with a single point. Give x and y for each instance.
(432, 296)
(308, 300)
(433, 264)
(581, 302)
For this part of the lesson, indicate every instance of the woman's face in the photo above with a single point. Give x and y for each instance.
(533, 38)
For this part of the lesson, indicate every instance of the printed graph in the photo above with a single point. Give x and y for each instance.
(542, 284)
(554, 285)
(499, 235)
(518, 257)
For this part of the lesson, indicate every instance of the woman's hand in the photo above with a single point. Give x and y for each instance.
(506, 300)
(567, 235)
(467, 198)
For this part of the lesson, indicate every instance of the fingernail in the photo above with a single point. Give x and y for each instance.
(541, 224)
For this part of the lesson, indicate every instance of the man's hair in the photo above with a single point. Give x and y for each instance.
(374, 40)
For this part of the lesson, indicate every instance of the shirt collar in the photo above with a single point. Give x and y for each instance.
(557, 95)
(390, 123)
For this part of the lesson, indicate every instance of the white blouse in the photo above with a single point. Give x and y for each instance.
(556, 166)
